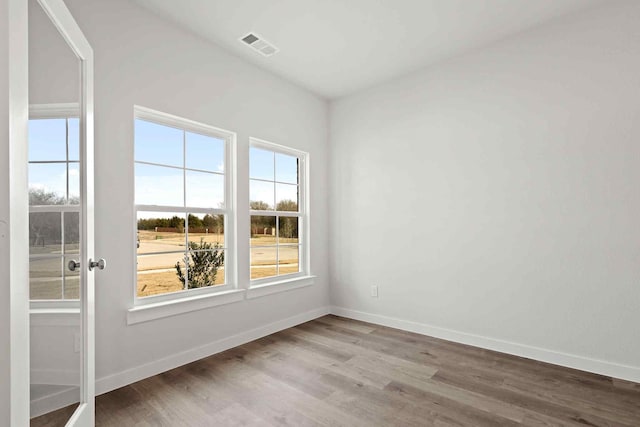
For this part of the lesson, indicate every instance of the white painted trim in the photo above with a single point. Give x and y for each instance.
(112, 382)
(63, 398)
(173, 307)
(59, 306)
(66, 377)
(56, 317)
(278, 148)
(54, 111)
(304, 207)
(182, 295)
(272, 287)
(18, 212)
(602, 367)
(60, 399)
(178, 122)
(229, 212)
(66, 25)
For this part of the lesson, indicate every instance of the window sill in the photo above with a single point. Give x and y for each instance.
(262, 290)
(145, 313)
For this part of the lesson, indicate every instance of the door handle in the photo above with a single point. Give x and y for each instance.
(100, 264)
(73, 265)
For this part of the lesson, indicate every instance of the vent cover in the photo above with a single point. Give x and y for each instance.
(259, 44)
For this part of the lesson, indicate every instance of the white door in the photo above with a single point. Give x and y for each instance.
(61, 191)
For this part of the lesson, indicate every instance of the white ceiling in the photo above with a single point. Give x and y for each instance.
(337, 47)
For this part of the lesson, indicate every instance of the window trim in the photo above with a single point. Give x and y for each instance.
(229, 212)
(69, 110)
(284, 282)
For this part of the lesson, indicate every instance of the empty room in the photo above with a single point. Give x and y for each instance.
(319, 213)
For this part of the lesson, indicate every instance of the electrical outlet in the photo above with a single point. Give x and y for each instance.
(76, 342)
(374, 291)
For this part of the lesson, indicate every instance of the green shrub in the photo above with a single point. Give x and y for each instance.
(203, 262)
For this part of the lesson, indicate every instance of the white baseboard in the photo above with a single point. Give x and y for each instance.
(60, 377)
(112, 382)
(64, 397)
(610, 369)
(103, 385)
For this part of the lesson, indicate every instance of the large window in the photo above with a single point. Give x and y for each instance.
(183, 205)
(278, 212)
(54, 197)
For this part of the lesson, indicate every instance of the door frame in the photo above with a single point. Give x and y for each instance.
(18, 214)
(64, 22)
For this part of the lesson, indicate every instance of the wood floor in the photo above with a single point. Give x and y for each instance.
(338, 372)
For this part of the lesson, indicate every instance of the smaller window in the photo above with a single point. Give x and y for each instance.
(278, 214)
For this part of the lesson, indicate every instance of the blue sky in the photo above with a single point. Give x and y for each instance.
(158, 185)
(47, 142)
(161, 185)
(281, 169)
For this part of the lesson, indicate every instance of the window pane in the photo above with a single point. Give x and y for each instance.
(45, 233)
(161, 232)
(71, 281)
(205, 190)
(47, 139)
(286, 197)
(157, 185)
(263, 262)
(261, 163)
(288, 259)
(74, 139)
(158, 144)
(71, 232)
(206, 268)
(74, 183)
(47, 184)
(261, 195)
(288, 230)
(45, 278)
(205, 152)
(286, 168)
(263, 230)
(205, 229)
(157, 274)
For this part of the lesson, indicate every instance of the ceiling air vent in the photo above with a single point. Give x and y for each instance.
(259, 44)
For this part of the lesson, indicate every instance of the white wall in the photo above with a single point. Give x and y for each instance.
(140, 59)
(54, 70)
(497, 195)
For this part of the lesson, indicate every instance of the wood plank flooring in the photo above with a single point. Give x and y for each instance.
(339, 372)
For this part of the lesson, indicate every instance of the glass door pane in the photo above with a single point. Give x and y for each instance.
(54, 220)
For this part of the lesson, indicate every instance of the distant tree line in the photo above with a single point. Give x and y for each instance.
(215, 223)
(45, 228)
(288, 225)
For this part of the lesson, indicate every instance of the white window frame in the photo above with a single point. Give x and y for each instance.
(54, 111)
(268, 285)
(229, 212)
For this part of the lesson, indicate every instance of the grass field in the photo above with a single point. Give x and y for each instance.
(157, 273)
(156, 267)
(46, 281)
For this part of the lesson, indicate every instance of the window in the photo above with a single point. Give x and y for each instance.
(277, 188)
(54, 202)
(183, 201)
